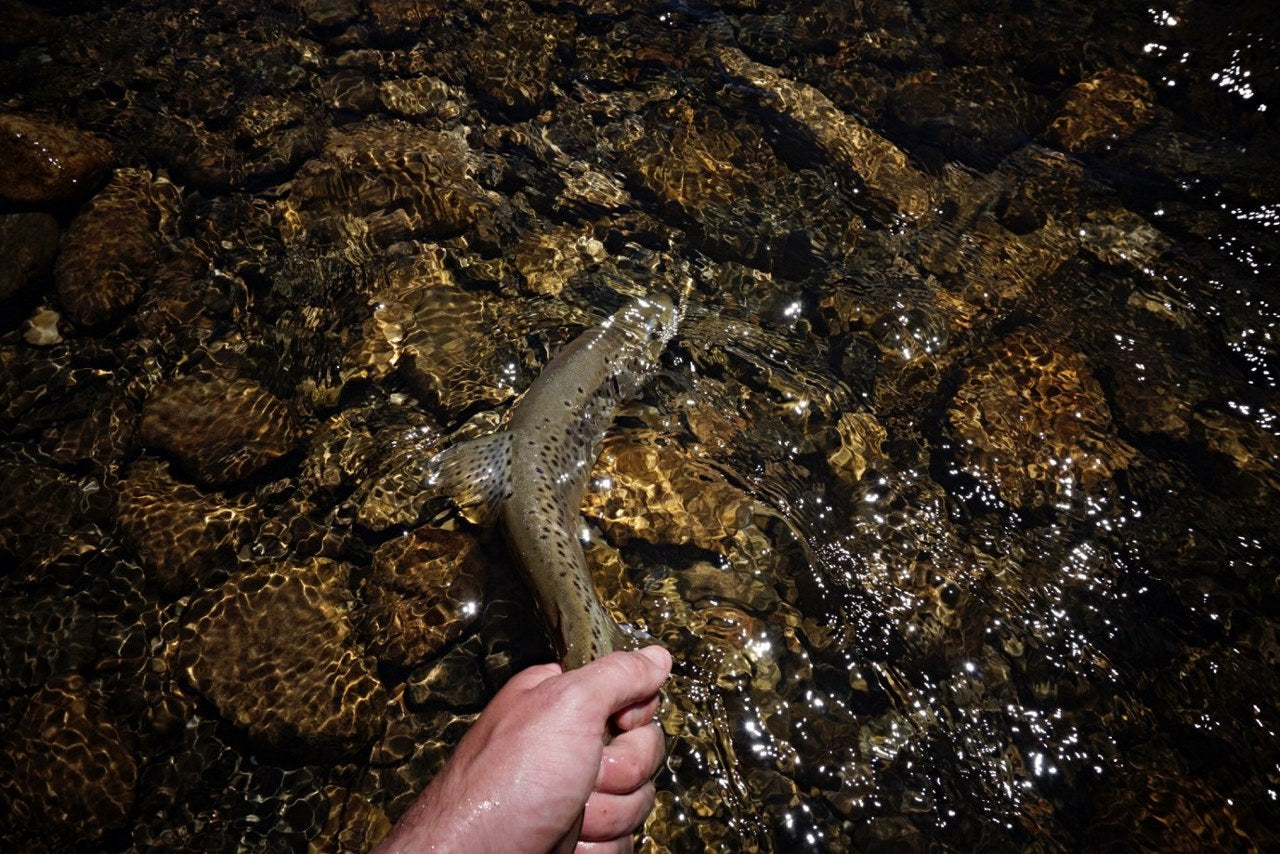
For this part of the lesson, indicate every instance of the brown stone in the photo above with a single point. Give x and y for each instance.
(378, 183)
(512, 63)
(651, 490)
(436, 335)
(43, 162)
(28, 244)
(1109, 106)
(896, 189)
(1031, 420)
(861, 438)
(422, 593)
(550, 259)
(67, 769)
(113, 245)
(181, 534)
(221, 430)
(354, 824)
(104, 436)
(274, 650)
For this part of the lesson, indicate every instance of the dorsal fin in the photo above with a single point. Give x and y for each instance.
(476, 474)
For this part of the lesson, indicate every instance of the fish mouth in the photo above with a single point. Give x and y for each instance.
(661, 316)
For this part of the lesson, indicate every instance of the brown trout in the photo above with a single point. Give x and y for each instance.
(531, 475)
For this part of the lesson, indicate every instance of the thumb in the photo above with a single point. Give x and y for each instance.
(621, 679)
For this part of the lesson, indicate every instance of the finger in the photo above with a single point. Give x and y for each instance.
(620, 679)
(630, 760)
(569, 842)
(637, 714)
(658, 655)
(531, 677)
(610, 816)
(621, 845)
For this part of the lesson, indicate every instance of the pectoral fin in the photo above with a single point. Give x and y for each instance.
(476, 474)
(626, 636)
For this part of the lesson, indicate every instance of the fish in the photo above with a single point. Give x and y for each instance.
(531, 475)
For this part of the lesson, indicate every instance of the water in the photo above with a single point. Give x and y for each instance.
(953, 498)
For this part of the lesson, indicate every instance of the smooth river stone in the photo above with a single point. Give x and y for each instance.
(67, 769)
(221, 430)
(113, 246)
(28, 244)
(44, 162)
(181, 534)
(422, 593)
(273, 648)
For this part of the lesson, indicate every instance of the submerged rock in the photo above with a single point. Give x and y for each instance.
(861, 438)
(1166, 808)
(43, 161)
(303, 683)
(896, 189)
(434, 334)
(550, 259)
(976, 114)
(28, 244)
(422, 593)
(104, 436)
(354, 824)
(44, 507)
(399, 17)
(649, 489)
(181, 534)
(1109, 106)
(511, 63)
(453, 680)
(380, 182)
(221, 430)
(41, 328)
(691, 157)
(1031, 420)
(113, 245)
(67, 768)
(1250, 448)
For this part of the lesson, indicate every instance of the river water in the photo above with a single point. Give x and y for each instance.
(954, 497)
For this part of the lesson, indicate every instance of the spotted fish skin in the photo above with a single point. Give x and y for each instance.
(532, 475)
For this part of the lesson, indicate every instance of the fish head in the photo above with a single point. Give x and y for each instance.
(659, 317)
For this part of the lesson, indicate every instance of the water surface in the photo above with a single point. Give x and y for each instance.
(954, 498)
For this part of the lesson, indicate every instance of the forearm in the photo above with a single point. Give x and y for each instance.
(444, 819)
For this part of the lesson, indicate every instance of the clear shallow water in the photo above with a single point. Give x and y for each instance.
(953, 497)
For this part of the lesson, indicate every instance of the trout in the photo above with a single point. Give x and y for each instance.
(531, 475)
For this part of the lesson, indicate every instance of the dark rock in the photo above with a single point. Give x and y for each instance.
(67, 770)
(221, 430)
(974, 114)
(28, 244)
(300, 684)
(113, 245)
(44, 162)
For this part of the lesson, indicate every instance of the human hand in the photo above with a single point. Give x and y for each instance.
(535, 762)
